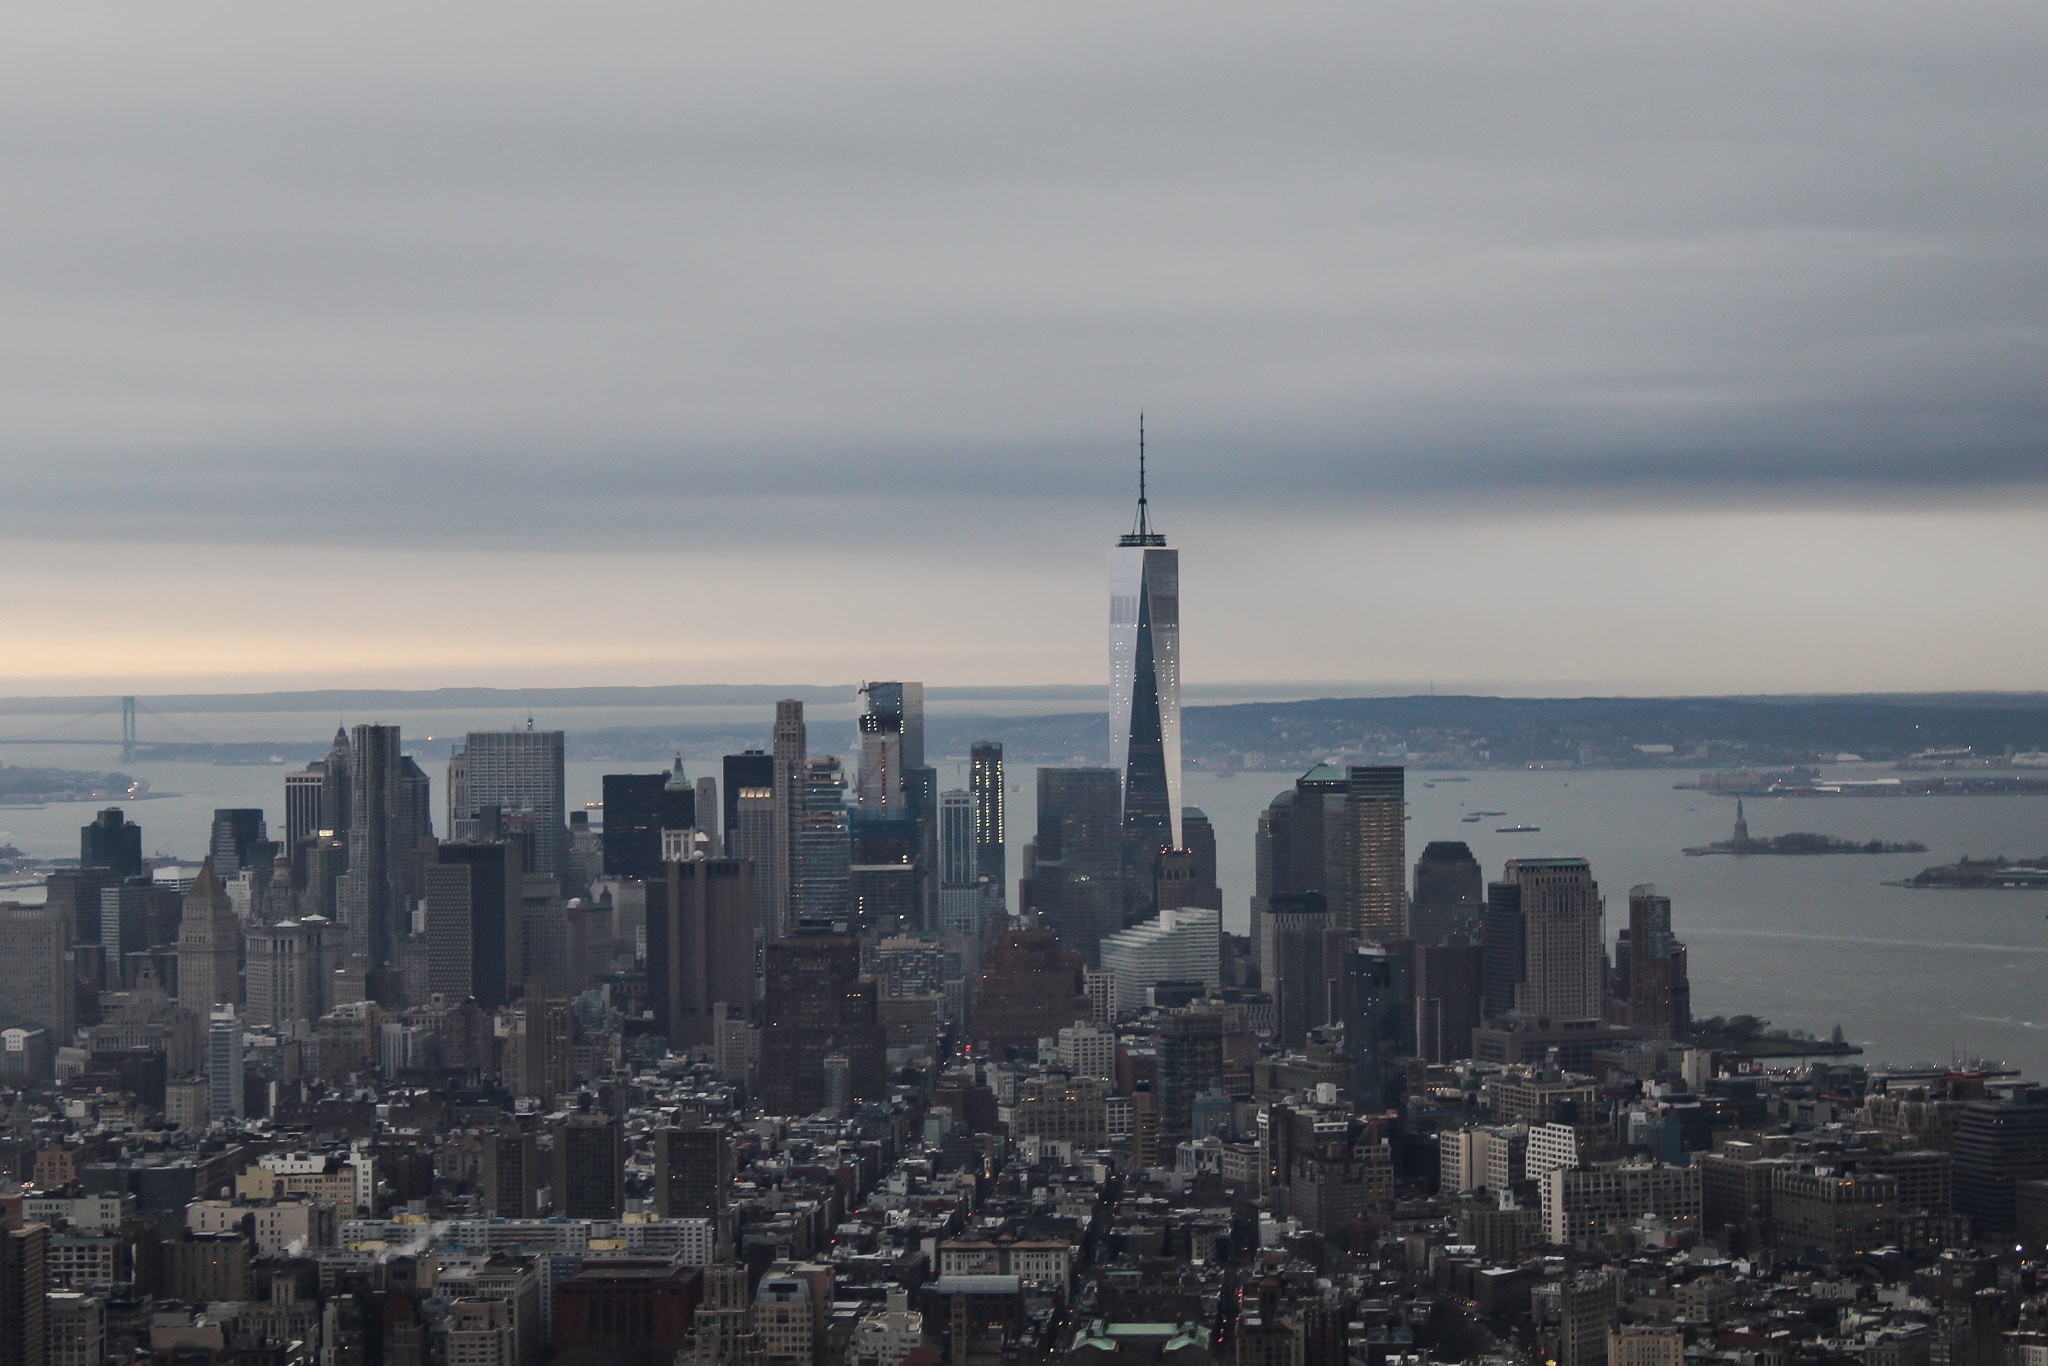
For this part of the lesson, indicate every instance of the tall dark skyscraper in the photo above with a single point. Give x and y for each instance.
(388, 816)
(753, 770)
(692, 1171)
(1144, 688)
(791, 752)
(236, 833)
(1073, 864)
(511, 1163)
(1659, 992)
(985, 783)
(700, 945)
(1501, 949)
(339, 787)
(1450, 892)
(474, 937)
(1340, 832)
(590, 1167)
(23, 1283)
(818, 1005)
(637, 808)
(111, 842)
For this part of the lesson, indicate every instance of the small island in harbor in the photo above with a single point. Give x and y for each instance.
(22, 785)
(1973, 874)
(1742, 844)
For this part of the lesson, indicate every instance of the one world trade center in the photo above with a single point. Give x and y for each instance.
(1144, 691)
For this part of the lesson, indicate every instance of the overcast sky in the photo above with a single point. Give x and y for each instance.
(1568, 346)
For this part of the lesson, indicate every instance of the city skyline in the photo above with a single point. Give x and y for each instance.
(541, 988)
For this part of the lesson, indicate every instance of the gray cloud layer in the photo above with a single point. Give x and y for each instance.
(654, 269)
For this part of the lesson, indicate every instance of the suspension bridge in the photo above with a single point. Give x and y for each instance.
(62, 732)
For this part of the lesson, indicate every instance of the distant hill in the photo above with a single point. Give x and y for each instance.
(1424, 731)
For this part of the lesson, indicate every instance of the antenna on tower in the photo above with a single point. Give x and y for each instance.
(1142, 533)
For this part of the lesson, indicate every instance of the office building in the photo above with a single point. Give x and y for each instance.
(209, 946)
(881, 790)
(511, 1174)
(302, 792)
(1502, 949)
(1450, 892)
(543, 1044)
(337, 789)
(224, 1080)
(75, 894)
(520, 773)
(790, 788)
(1144, 690)
(1581, 1206)
(239, 840)
(620, 1309)
(1031, 986)
(1341, 832)
(901, 708)
(638, 807)
(388, 817)
(817, 1003)
(1190, 1064)
(708, 809)
(123, 926)
(36, 970)
(751, 836)
(1379, 1025)
(111, 842)
(1448, 977)
(824, 850)
(750, 770)
(1375, 904)
(985, 782)
(77, 1328)
(959, 855)
(692, 1171)
(1643, 1344)
(700, 946)
(1564, 958)
(2000, 1140)
(1652, 963)
(1179, 945)
(1199, 836)
(474, 923)
(589, 1167)
(1073, 866)
(24, 1254)
(1588, 1306)
(287, 972)
(1305, 957)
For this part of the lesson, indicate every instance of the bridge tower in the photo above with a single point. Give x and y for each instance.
(127, 730)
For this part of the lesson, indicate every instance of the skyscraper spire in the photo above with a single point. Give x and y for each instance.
(1142, 533)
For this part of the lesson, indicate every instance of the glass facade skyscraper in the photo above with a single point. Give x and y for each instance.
(1144, 686)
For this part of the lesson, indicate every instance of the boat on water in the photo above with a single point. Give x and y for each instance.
(1516, 829)
(1469, 820)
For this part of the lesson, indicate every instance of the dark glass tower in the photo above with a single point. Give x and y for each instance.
(985, 782)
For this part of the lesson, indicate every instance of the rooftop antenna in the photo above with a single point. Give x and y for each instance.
(1143, 526)
(1143, 534)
